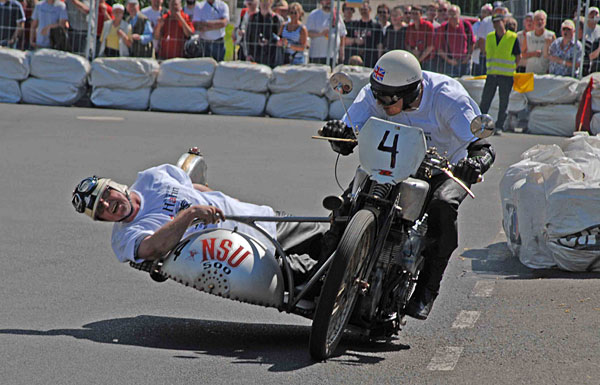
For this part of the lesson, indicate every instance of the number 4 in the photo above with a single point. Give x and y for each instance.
(393, 149)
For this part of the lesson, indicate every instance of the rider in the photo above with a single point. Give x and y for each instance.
(400, 92)
(155, 213)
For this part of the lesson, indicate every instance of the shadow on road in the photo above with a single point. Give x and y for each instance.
(283, 347)
(497, 259)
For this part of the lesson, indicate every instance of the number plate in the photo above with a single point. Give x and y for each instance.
(390, 152)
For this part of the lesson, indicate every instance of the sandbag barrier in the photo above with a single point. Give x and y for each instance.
(240, 88)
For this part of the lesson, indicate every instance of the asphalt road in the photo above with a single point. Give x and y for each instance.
(72, 314)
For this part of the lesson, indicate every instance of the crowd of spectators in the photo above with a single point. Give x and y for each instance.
(277, 33)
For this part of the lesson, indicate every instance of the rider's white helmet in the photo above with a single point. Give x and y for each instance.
(397, 75)
(86, 195)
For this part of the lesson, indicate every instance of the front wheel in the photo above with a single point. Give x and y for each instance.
(341, 285)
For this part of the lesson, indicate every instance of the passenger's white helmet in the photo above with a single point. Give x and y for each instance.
(397, 75)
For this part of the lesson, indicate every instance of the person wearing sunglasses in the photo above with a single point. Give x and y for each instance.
(563, 50)
(399, 91)
(153, 215)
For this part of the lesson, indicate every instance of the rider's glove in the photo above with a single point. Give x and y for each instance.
(338, 129)
(470, 169)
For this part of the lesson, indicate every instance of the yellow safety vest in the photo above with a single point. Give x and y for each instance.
(499, 57)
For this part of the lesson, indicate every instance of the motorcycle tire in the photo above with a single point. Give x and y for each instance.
(341, 286)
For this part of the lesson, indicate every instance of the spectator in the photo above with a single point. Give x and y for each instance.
(511, 24)
(367, 36)
(537, 43)
(242, 28)
(395, 34)
(407, 9)
(355, 61)
(116, 35)
(294, 36)
(171, 30)
(78, 11)
(485, 27)
(419, 39)
(442, 13)
(154, 12)
(12, 22)
(190, 7)
(383, 20)
(592, 42)
(28, 6)
(350, 48)
(141, 31)
(210, 20)
(478, 58)
(431, 14)
(527, 26)
(455, 43)
(263, 29)
(281, 8)
(503, 53)
(318, 25)
(561, 51)
(47, 15)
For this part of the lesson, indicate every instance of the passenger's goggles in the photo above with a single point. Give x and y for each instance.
(385, 99)
(83, 189)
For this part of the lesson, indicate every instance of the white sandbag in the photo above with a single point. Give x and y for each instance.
(516, 101)
(10, 92)
(297, 105)
(14, 64)
(124, 72)
(60, 66)
(180, 72)
(179, 99)
(305, 78)
(50, 92)
(224, 101)
(243, 76)
(553, 89)
(360, 77)
(595, 124)
(336, 110)
(121, 98)
(553, 119)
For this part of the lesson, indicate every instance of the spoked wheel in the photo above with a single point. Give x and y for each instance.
(341, 285)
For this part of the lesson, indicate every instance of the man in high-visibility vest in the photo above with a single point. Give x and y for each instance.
(503, 53)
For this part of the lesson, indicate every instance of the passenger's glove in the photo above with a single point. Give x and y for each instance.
(469, 169)
(338, 129)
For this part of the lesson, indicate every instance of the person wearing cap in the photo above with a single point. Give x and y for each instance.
(502, 54)
(527, 26)
(172, 30)
(210, 20)
(563, 49)
(592, 42)
(484, 30)
(116, 35)
(281, 8)
(536, 44)
(141, 31)
(152, 216)
(400, 92)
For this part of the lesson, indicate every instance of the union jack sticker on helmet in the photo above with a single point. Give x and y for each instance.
(378, 73)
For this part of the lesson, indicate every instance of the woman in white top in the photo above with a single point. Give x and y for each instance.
(293, 36)
(116, 35)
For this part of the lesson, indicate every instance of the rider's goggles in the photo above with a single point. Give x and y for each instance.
(385, 99)
(82, 191)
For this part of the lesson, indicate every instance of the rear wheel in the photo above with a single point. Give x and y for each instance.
(341, 285)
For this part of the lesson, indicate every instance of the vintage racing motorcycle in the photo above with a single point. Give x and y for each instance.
(367, 282)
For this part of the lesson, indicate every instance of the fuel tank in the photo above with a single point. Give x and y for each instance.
(229, 264)
(413, 193)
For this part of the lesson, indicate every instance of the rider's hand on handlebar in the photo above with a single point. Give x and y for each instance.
(208, 214)
(468, 169)
(338, 129)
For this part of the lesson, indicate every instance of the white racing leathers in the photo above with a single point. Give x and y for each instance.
(444, 114)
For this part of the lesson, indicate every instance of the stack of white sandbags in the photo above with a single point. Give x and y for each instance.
(182, 85)
(14, 67)
(298, 92)
(239, 88)
(551, 205)
(516, 102)
(58, 78)
(360, 77)
(123, 82)
(554, 101)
